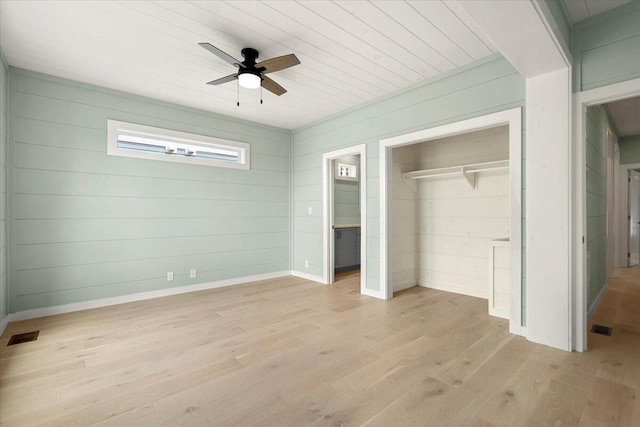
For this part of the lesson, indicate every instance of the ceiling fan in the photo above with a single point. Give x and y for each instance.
(251, 75)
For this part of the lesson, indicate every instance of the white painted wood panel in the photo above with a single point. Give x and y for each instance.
(350, 52)
(455, 229)
(547, 176)
(499, 278)
(446, 21)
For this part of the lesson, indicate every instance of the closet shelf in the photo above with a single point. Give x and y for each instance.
(469, 172)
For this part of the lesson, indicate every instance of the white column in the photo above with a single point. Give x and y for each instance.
(548, 231)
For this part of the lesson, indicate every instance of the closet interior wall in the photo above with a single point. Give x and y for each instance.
(454, 221)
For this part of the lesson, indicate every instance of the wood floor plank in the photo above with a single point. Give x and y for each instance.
(288, 351)
(610, 403)
(561, 404)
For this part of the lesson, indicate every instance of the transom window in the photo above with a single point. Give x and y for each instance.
(146, 142)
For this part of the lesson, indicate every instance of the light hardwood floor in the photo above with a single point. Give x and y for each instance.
(289, 352)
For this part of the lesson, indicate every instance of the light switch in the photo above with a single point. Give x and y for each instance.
(310, 210)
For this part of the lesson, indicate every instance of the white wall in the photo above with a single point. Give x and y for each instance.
(455, 221)
(404, 225)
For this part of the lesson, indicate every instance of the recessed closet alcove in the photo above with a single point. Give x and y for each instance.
(450, 213)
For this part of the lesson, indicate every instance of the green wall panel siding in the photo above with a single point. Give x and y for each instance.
(89, 226)
(4, 91)
(484, 87)
(630, 150)
(561, 16)
(596, 152)
(606, 48)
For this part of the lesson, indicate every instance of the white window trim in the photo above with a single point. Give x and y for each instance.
(175, 139)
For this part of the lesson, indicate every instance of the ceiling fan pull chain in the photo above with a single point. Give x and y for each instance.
(238, 92)
(260, 93)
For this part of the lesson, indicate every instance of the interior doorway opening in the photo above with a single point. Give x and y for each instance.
(345, 213)
(471, 173)
(601, 223)
(450, 216)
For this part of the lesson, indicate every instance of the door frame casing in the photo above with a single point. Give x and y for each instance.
(512, 118)
(626, 169)
(622, 210)
(328, 244)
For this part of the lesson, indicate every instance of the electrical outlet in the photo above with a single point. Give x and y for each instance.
(170, 276)
(306, 263)
(192, 273)
(310, 210)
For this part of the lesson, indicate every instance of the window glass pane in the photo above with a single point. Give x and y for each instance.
(131, 140)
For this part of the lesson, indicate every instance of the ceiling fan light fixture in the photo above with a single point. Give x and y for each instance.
(249, 80)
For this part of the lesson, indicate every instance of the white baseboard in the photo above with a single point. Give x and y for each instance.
(374, 294)
(401, 287)
(596, 303)
(3, 324)
(68, 308)
(517, 329)
(457, 289)
(307, 276)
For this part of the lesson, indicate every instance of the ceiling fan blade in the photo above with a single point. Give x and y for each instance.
(272, 86)
(223, 80)
(279, 63)
(222, 55)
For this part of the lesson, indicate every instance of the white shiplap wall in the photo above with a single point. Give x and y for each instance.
(455, 221)
(404, 222)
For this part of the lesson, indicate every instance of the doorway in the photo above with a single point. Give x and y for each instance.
(510, 118)
(582, 300)
(344, 222)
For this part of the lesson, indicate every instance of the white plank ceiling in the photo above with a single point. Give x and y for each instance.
(350, 51)
(582, 9)
(626, 116)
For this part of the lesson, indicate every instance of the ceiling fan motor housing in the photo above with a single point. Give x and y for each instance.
(250, 55)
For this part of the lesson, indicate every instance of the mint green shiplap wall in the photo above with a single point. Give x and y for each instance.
(4, 73)
(606, 48)
(630, 150)
(484, 87)
(561, 16)
(91, 226)
(596, 135)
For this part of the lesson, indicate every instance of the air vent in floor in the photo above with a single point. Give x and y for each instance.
(26, 337)
(602, 330)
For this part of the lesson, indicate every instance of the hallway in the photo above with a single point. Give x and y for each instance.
(612, 363)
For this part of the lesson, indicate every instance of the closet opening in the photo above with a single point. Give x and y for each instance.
(451, 212)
